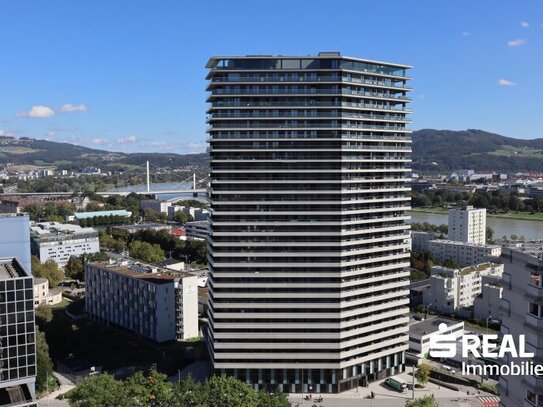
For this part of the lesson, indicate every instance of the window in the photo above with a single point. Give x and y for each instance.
(535, 279)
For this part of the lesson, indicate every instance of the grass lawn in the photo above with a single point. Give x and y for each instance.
(110, 347)
(63, 304)
(509, 215)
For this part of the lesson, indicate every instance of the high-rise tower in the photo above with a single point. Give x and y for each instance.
(310, 164)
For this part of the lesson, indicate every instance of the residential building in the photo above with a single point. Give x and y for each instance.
(487, 306)
(198, 229)
(467, 225)
(196, 213)
(143, 226)
(44, 295)
(421, 332)
(420, 241)
(58, 241)
(522, 314)
(454, 290)
(310, 164)
(465, 254)
(155, 303)
(15, 238)
(157, 206)
(17, 335)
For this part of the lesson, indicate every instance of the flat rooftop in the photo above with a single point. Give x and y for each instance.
(11, 268)
(142, 271)
(430, 325)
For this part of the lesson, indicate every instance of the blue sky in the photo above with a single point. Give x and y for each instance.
(130, 76)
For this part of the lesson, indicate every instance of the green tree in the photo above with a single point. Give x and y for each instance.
(44, 315)
(489, 234)
(43, 362)
(451, 263)
(426, 401)
(226, 391)
(187, 393)
(99, 391)
(75, 268)
(181, 217)
(48, 270)
(423, 374)
(152, 391)
(146, 251)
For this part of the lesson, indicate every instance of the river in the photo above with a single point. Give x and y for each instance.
(502, 227)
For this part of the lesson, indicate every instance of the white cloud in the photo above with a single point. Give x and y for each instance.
(127, 140)
(465, 33)
(68, 108)
(524, 24)
(505, 82)
(50, 135)
(516, 43)
(38, 112)
(100, 142)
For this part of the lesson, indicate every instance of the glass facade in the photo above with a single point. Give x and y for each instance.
(310, 164)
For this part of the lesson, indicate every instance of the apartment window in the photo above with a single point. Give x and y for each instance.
(535, 309)
(535, 279)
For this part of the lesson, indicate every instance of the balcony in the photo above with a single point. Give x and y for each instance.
(534, 322)
(534, 293)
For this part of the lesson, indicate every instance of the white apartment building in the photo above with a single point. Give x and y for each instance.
(452, 290)
(487, 304)
(467, 225)
(522, 307)
(465, 254)
(420, 241)
(421, 332)
(156, 205)
(44, 295)
(58, 241)
(156, 303)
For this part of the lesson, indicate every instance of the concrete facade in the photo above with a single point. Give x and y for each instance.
(452, 290)
(310, 182)
(467, 225)
(44, 295)
(155, 303)
(58, 242)
(465, 254)
(420, 241)
(522, 308)
(421, 332)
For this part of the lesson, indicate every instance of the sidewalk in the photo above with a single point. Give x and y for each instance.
(65, 386)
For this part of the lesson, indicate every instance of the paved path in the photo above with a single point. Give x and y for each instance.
(65, 386)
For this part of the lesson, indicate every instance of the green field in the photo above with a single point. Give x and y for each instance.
(512, 151)
(509, 215)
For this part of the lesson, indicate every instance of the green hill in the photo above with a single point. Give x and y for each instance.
(474, 149)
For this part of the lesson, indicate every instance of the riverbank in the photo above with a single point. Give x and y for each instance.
(538, 217)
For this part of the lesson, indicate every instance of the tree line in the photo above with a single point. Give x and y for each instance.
(500, 201)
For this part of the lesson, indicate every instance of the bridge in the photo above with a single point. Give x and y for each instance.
(196, 188)
(180, 188)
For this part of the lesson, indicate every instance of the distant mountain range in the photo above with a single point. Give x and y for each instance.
(26, 151)
(434, 151)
